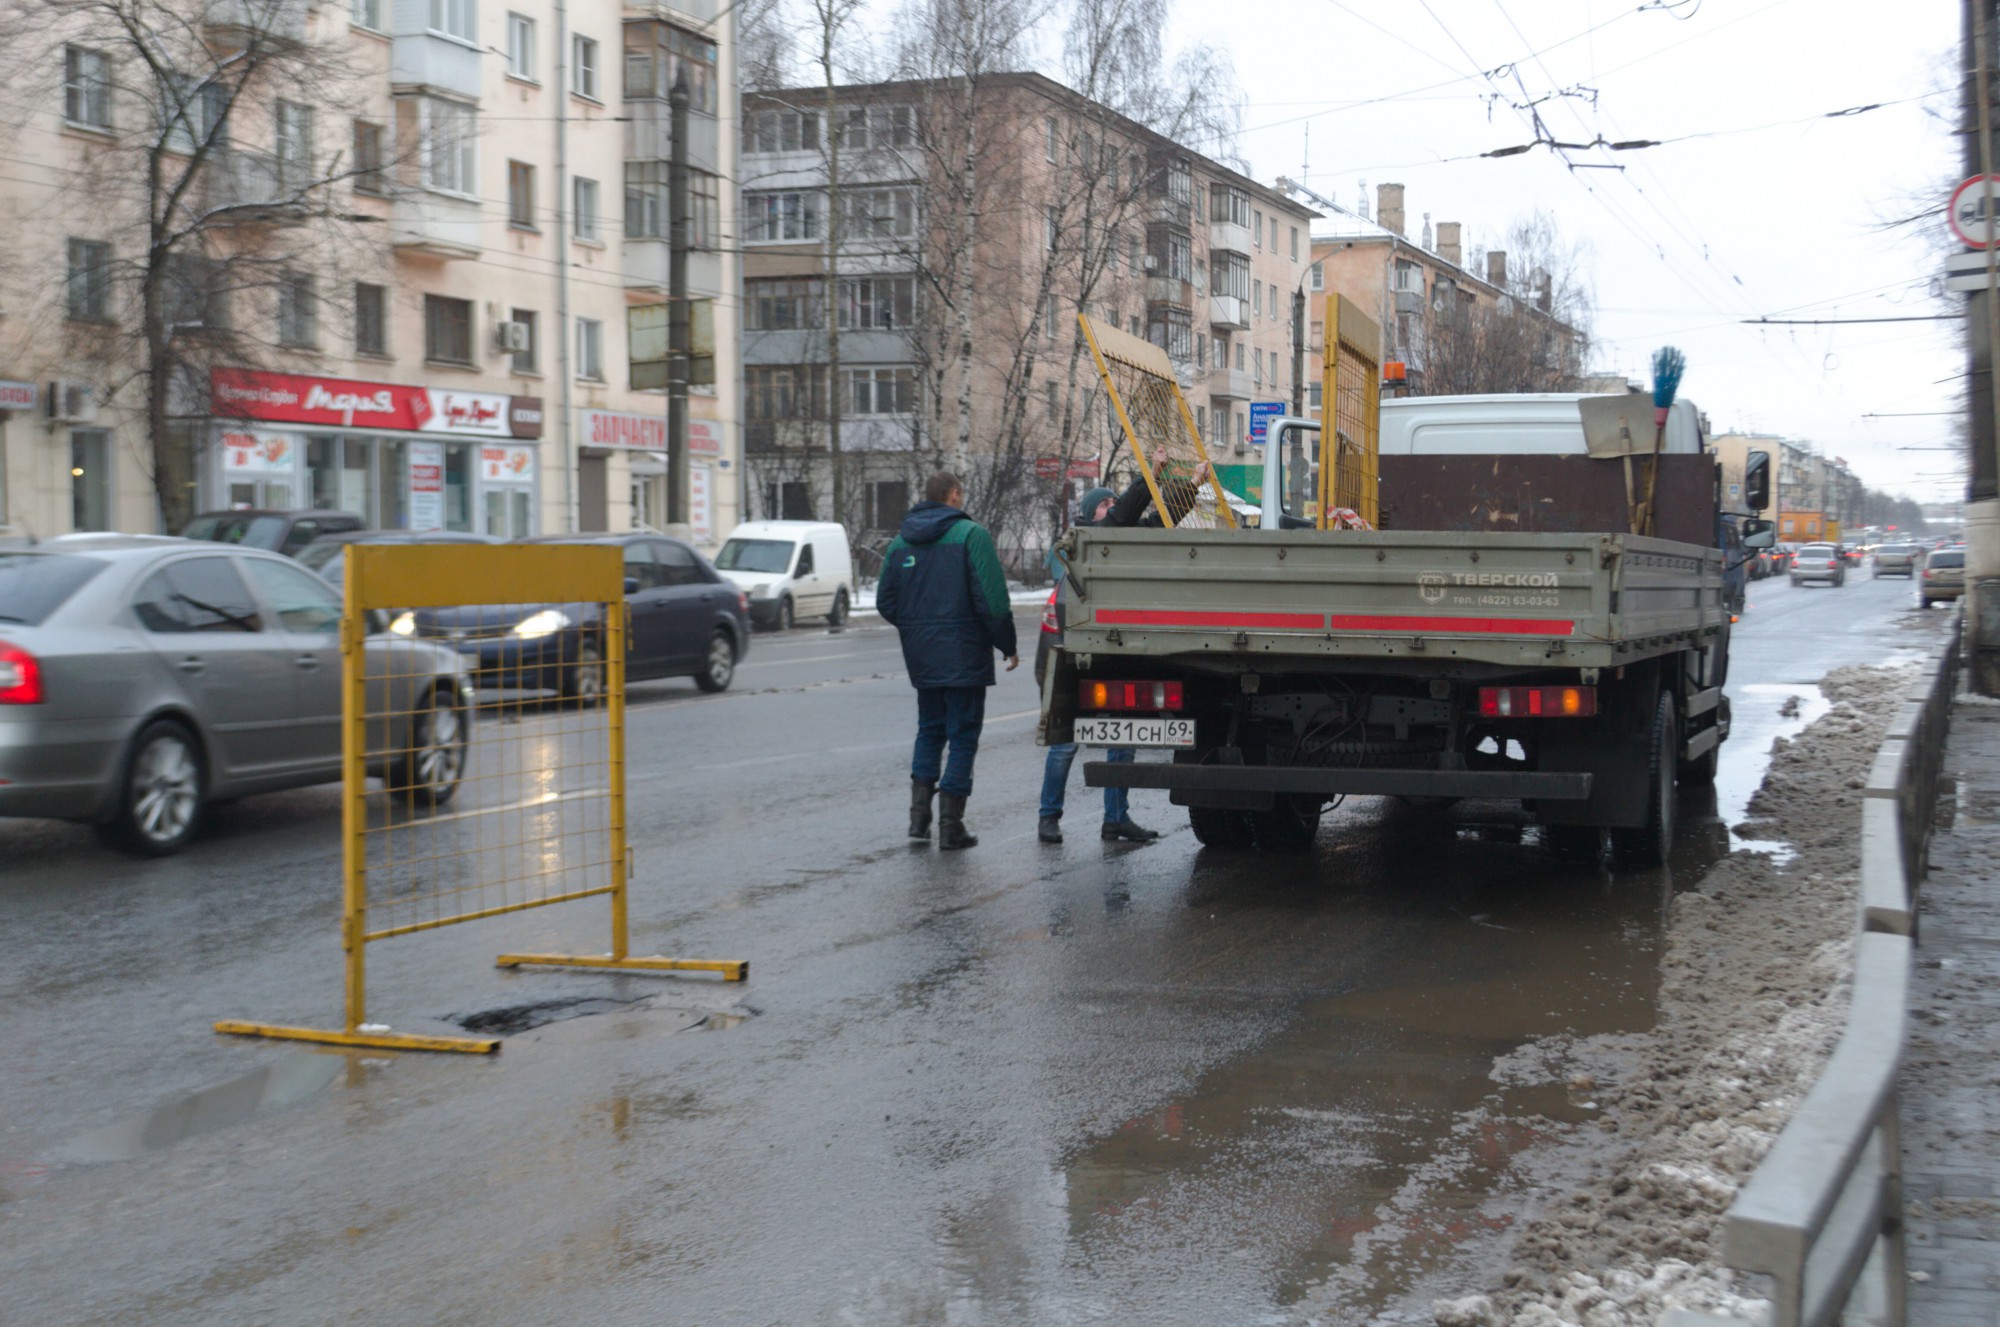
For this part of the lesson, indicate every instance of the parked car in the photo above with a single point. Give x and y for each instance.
(1943, 578)
(328, 554)
(144, 678)
(280, 531)
(1897, 560)
(790, 570)
(686, 621)
(1819, 562)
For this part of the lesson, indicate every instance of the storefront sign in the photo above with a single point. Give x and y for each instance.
(257, 454)
(297, 398)
(701, 519)
(18, 396)
(609, 428)
(704, 438)
(507, 465)
(426, 472)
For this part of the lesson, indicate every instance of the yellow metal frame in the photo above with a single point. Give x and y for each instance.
(1350, 465)
(390, 576)
(1110, 346)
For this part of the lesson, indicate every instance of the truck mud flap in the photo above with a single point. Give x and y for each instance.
(1265, 780)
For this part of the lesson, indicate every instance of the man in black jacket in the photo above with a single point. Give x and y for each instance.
(943, 590)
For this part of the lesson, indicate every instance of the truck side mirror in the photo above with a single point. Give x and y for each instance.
(1759, 534)
(1757, 480)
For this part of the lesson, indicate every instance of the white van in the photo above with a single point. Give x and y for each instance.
(1538, 423)
(790, 570)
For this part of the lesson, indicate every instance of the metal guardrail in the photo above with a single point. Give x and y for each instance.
(1823, 1214)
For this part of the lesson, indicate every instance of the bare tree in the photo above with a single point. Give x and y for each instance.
(1534, 337)
(198, 248)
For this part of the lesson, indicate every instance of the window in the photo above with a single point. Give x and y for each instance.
(1242, 355)
(1218, 423)
(369, 177)
(520, 195)
(1136, 253)
(1221, 352)
(657, 55)
(784, 391)
(879, 303)
(868, 127)
(86, 87)
(1295, 244)
(1257, 367)
(585, 198)
(196, 594)
(366, 14)
(1228, 203)
(192, 112)
(89, 283)
(1274, 233)
(447, 329)
(1172, 329)
(1171, 179)
(878, 213)
(1054, 141)
(449, 132)
(1055, 403)
(1257, 298)
(702, 210)
(528, 359)
(455, 18)
(298, 310)
(590, 349)
(1229, 274)
(881, 391)
(1049, 316)
(521, 47)
(1170, 252)
(371, 319)
(1052, 218)
(583, 67)
(787, 305)
(1318, 277)
(90, 479)
(781, 216)
(294, 142)
(192, 294)
(784, 131)
(1316, 335)
(301, 601)
(1312, 395)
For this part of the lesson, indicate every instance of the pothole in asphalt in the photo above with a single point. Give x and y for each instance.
(510, 1019)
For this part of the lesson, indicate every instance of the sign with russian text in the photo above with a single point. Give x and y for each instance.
(299, 398)
(426, 474)
(18, 396)
(507, 465)
(1261, 415)
(257, 453)
(610, 428)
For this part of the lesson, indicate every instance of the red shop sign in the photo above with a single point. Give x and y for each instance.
(296, 398)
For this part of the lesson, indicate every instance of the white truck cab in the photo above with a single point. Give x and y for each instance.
(790, 570)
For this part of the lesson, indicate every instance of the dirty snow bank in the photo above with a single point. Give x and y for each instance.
(1753, 996)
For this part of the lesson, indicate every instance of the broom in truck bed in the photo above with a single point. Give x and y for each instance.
(1668, 366)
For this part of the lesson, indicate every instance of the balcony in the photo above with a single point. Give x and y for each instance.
(248, 182)
(1229, 236)
(234, 24)
(649, 135)
(1409, 301)
(1169, 290)
(426, 60)
(680, 11)
(1230, 385)
(439, 225)
(645, 263)
(1229, 312)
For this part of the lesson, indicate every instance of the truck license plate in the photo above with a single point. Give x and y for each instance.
(1135, 732)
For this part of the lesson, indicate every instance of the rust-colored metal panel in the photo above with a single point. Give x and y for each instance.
(1545, 495)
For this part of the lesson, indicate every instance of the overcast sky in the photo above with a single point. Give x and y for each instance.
(1768, 208)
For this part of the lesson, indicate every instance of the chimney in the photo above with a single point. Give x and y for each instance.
(1544, 291)
(1389, 207)
(1496, 267)
(1429, 243)
(1448, 243)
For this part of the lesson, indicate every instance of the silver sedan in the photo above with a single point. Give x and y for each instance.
(142, 678)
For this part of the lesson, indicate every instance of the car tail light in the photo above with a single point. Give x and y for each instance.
(20, 676)
(743, 601)
(1537, 702)
(1049, 616)
(1129, 695)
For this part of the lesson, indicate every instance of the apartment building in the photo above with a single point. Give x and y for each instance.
(1810, 491)
(407, 237)
(955, 291)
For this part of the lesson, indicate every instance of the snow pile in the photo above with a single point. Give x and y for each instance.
(1753, 998)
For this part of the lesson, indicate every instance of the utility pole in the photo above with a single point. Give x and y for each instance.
(1982, 511)
(1298, 350)
(835, 202)
(677, 305)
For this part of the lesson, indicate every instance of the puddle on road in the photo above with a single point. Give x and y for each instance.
(1761, 713)
(295, 1078)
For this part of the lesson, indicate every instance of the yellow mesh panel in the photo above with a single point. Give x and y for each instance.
(1146, 399)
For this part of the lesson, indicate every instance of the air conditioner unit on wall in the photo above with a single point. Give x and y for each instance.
(72, 402)
(512, 336)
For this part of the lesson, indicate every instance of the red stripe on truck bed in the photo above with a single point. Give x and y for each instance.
(1485, 626)
(1161, 617)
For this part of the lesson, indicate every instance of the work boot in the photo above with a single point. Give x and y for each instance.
(951, 824)
(1127, 830)
(920, 808)
(1049, 829)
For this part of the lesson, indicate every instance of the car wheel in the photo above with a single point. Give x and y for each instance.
(583, 678)
(433, 757)
(1225, 831)
(1649, 844)
(721, 667)
(785, 613)
(160, 802)
(839, 613)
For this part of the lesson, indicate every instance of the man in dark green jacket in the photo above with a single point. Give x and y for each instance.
(943, 590)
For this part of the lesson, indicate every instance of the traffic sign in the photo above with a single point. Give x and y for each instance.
(1972, 211)
(1261, 414)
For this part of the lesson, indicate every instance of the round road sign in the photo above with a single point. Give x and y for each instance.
(1973, 209)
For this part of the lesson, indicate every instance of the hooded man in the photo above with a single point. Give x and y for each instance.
(943, 590)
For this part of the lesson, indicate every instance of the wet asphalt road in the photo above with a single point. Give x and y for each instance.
(1014, 1085)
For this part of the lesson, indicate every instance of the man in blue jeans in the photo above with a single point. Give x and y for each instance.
(943, 590)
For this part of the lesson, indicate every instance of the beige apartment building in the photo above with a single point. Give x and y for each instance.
(405, 252)
(956, 293)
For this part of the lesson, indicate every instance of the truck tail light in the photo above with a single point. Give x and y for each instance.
(1120, 695)
(20, 676)
(1049, 616)
(1537, 702)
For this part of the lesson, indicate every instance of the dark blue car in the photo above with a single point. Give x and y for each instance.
(686, 622)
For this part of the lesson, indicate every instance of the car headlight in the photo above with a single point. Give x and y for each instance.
(760, 590)
(405, 624)
(545, 623)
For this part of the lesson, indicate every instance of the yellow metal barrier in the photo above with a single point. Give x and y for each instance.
(497, 733)
(1349, 488)
(1147, 399)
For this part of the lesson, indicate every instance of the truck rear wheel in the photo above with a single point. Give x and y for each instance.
(1649, 844)
(1290, 825)
(1227, 831)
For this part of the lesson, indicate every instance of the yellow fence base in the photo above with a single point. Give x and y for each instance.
(732, 969)
(388, 1041)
